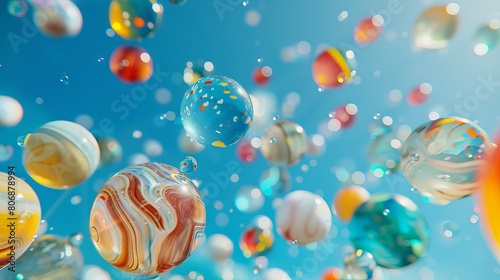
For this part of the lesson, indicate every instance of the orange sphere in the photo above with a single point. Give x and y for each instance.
(368, 30)
(131, 64)
(333, 273)
(489, 199)
(348, 200)
(333, 68)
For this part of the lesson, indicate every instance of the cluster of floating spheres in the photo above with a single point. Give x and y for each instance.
(131, 64)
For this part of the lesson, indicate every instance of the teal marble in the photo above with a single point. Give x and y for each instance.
(390, 227)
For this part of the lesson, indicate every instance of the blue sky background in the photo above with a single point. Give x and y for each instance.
(197, 31)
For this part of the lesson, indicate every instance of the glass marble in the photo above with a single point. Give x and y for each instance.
(264, 109)
(17, 8)
(249, 199)
(275, 180)
(220, 247)
(441, 157)
(368, 30)
(419, 95)
(488, 199)
(487, 38)
(246, 152)
(110, 150)
(131, 64)
(11, 111)
(147, 219)
(258, 237)
(26, 216)
(49, 257)
(6, 152)
(333, 68)
(188, 165)
(216, 111)
(65, 18)
(391, 228)
(359, 265)
(60, 154)
(284, 143)
(262, 75)
(345, 115)
(435, 26)
(303, 217)
(135, 19)
(348, 199)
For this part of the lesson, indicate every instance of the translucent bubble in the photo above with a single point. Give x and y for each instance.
(21, 140)
(474, 219)
(25, 216)
(486, 39)
(450, 229)
(272, 140)
(100, 59)
(188, 165)
(414, 157)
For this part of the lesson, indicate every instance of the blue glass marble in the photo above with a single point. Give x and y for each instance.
(188, 165)
(390, 228)
(216, 111)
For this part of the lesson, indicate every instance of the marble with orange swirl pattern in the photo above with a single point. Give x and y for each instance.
(147, 219)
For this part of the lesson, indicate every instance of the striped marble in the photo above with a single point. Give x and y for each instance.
(60, 154)
(303, 217)
(440, 158)
(26, 217)
(147, 219)
(284, 143)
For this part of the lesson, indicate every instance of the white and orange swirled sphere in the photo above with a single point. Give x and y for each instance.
(147, 219)
(303, 217)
